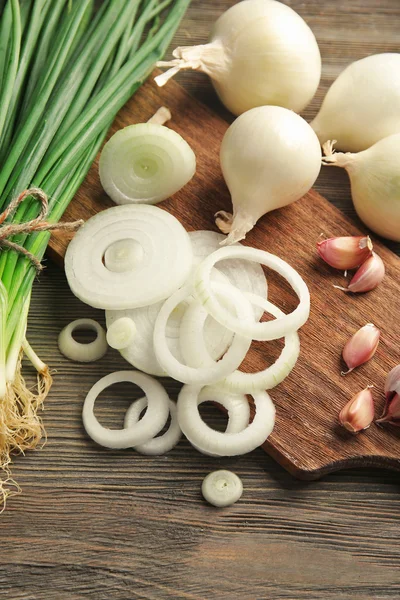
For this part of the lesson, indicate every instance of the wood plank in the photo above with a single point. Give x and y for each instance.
(306, 439)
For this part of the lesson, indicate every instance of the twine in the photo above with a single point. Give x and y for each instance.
(35, 225)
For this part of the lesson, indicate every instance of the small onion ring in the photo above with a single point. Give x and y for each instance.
(160, 444)
(153, 421)
(271, 330)
(205, 376)
(195, 352)
(165, 265)
(83, 352)
(208, 440)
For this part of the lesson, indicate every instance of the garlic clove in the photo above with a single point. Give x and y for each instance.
(345, 252)
(361, 347)
(367, 277)
(358, 413)
(391, 413)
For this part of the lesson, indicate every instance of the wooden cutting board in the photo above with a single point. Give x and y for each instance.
(307, 439)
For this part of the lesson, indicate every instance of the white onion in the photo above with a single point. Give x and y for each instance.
(203, 289)
(206, 375)
(224, 444)
(270, 157)
(81, 352)
(375, 184)
(260, 52)
(160, 444)
(363, 105)
(195, 354)
(139, 433)
(164, 267)
(145, 163)
(222, 488)
(245, 275)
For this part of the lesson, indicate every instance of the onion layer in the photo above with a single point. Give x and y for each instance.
(224, 444)
(207, 375)
(139, 433)
(160, 444)
(195, 353)
(203, 289)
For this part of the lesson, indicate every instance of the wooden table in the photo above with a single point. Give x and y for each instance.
(98, 524)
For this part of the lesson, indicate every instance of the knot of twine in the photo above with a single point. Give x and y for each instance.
(35, 225)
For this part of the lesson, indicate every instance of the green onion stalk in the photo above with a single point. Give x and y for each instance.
(66, 69)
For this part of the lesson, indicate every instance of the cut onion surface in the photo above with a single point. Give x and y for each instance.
(145, 163)
(245, 275)
(209, 441)
(161, 267)
(160, 444)
(203, 290)
(231, 359)
(138, 433)
(195, 352)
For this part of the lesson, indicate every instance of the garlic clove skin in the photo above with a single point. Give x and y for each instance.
(345, 252)
(361, 347)
(368, 276)
(363, 104)
(391, 413)
(359, 412)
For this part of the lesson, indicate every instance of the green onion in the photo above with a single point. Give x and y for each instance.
(65, 72)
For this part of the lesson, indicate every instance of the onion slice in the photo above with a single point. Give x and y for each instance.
(245, 275)
(195, 352)
(145, 163)
(222, 488)
(163, 266)
(208, 440)
(207, 375)
(83, 352)
(203, 290)
(160, 444)
(139, 433)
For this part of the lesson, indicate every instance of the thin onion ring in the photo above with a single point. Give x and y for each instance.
(153, 421)
(224, 444)
(271, 330)
(160, 444)
(205, 376)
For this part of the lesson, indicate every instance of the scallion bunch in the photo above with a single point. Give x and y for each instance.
(65, 71)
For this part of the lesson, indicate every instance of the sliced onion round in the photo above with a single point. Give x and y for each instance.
(145, 163)
(208, 440)
(195, 352)
(139, 433)
(207, 375)
(245, 275)
(270, 330)
(121, 333)
(164, 266)
(83, 352)
(160, 444)
(222, 488)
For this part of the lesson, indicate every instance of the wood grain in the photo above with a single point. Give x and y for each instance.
(100, 525)
(306, 439)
